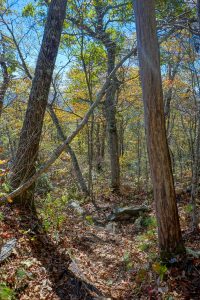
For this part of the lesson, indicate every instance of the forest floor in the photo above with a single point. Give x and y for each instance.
(115, 261)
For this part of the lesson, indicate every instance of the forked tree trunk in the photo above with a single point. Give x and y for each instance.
(169, 233)
(24, 164)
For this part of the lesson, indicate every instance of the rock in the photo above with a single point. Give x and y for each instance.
(111, 227)
(7, 249)
(193, 253)
(138, 222)
(76, 206)
(127, 213)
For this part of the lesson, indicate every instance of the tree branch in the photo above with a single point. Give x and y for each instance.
(62, 147)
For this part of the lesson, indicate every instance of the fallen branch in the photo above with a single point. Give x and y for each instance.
(69, 139)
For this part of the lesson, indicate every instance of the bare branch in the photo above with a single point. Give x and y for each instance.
(62, 147)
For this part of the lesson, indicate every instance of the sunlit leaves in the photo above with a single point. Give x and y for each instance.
(28, 10)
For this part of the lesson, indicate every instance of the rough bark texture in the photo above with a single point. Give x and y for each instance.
(4, 85)
(198, 12)
(195, 175)
(71, 152)
(24, 165)
(169, 233)
(196, 159)
(110, 113)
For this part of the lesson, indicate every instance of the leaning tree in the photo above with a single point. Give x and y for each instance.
(25, 162)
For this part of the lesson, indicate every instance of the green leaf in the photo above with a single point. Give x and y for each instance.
(5, 292)
(28, 10)
(21, 273)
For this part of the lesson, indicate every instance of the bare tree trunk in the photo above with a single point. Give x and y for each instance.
(196, 161)
(103, 141)
(90, 128)
(98, 148)
(169, 233)
(77, 170)
(195, 174)
(4, 85)
(198, 12)
(121, 137)
(110, 113)
(139, 155)
(24, 164)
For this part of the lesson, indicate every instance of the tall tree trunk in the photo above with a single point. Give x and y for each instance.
(139, 155)
(77, 170)
(90, 129)
(196, 161)
(195, 173)
(98, 148)
(100, 145)
(24, 164)
(103, 142)
(110, 113)
(196, 147)
(169, 233)
(198, 12)
(4, 85)
(121, 137)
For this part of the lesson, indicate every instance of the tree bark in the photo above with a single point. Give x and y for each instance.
(77, 170)
(100, 145)
(110, 113)
(24, 164)
(90, 130)
(196, 160)
(98, 148)
(169, 233)
(4, 85)
(198, 12)
(195, 174)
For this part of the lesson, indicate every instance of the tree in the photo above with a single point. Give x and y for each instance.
(198, 12)
(196, 160)
(169, 233)
(102, 30)
(5, 75)
(25, 162)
